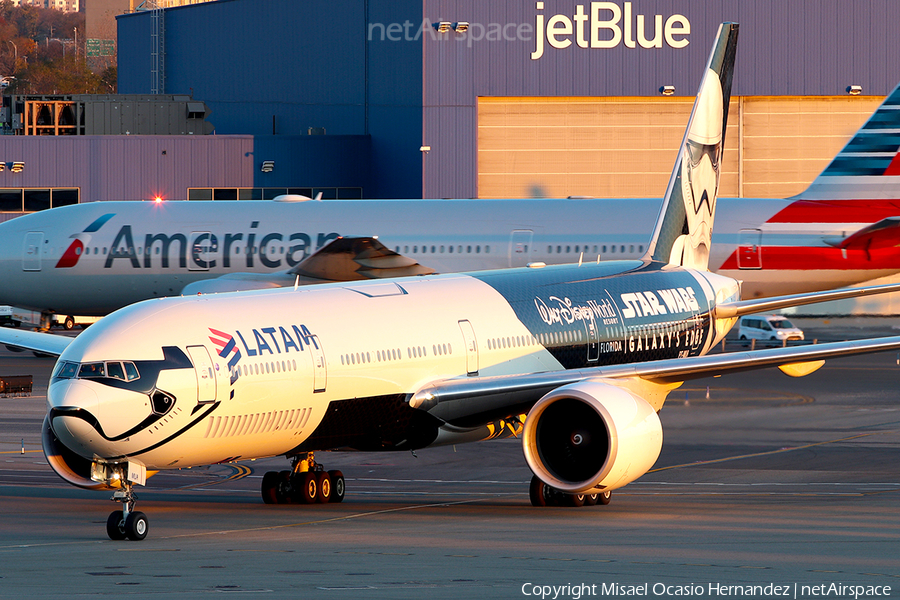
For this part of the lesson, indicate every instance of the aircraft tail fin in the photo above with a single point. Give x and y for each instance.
(868, 167)
(684, 227)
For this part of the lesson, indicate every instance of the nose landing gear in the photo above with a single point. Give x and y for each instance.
(126, 523)
(306, 483)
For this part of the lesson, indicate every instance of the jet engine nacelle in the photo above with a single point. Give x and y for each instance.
(591, 435)
(71, 467)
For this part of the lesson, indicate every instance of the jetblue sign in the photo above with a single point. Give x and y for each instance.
(607, 25)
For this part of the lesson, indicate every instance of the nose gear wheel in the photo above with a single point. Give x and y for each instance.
(126, 523)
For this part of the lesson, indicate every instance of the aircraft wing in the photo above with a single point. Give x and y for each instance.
(468, 401)
(343, 259)
(749, 307)
(45, 343)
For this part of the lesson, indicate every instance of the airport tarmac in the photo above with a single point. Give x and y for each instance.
(768, 480)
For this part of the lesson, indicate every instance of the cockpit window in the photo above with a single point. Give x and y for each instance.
(123, 370)
(131, 372)
(91, 370)
(66, 370)
(115, 370)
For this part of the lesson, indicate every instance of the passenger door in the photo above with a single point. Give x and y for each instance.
(520, 247)
(320, 370)
(31, 251)
(206, 374)
(471, 347)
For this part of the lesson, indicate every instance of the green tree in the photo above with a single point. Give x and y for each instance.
(44, 53)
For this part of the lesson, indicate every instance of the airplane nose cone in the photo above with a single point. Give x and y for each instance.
(72, 393)
(76, 434)
(68, 398)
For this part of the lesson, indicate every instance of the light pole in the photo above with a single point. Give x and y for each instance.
(16, 60)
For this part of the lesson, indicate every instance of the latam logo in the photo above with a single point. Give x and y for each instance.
(70, 257)
(227, 346)
(647, 304)
(608, 25)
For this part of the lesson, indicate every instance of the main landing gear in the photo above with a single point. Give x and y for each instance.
(544, 495)
(126, 523)
(306, 483)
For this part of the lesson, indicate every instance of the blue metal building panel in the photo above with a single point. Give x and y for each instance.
(299, 63)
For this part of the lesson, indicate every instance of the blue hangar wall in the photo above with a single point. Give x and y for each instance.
(377, 68)
(282, 67)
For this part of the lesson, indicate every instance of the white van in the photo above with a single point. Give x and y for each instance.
(771, 327)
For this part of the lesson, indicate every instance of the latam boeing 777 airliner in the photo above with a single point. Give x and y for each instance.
(589, 351)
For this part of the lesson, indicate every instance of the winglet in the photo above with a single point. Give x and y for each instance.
(684, 227)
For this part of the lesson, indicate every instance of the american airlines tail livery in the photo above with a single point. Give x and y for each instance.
(589, 351)
(93, 258)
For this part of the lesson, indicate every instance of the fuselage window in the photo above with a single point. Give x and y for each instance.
(612, 249)
(558, 249)
(631, 248)
(469, 249)
(450, 249)
(549, 249)
(415, 249)
(477, 249)
(487, 249)
(622, 249)
(603, 248)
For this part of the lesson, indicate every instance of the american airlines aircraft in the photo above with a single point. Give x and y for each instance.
(588, 350)
(93, 258)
